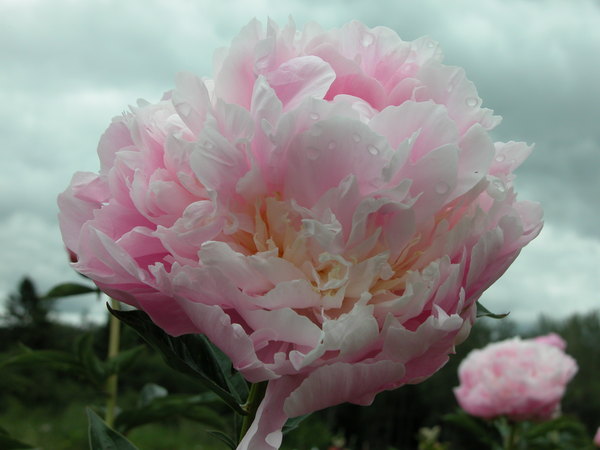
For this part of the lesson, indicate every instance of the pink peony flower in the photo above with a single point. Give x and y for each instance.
(327, 210)
(520, 379)
(552, 339)
(597, 438)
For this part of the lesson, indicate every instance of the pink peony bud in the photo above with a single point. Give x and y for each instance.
(327, 209)
(520, 379)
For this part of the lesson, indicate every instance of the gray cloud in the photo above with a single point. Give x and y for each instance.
(68, 67)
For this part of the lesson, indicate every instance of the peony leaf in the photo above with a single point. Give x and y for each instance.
(482, 311)
(194, 407)
(294, 423)
(101, 437)
(473, 426)
(191, 354)
(227, 440)
(9, 443)
(69, 289)
(55, 359)
(96, 369)
(124, 359)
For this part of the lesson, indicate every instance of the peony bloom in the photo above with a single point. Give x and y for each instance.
(520, 379)
(597, 438)
(552, 339)
(327, 209)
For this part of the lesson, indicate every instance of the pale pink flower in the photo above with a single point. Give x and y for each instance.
(327, 210)
(520, 379)
(552, 339)
(597, 438)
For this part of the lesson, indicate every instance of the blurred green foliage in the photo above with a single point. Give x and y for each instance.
(52, 371)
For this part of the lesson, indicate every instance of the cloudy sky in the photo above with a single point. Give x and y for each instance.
(67, 67)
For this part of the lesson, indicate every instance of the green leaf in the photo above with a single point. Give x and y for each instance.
(482, 311)
(473, 426)
(124, 359)
(192, 354)
(69, 289)
(294, 423)
(55, 359)
(9, 443)
(101, 437)
(164, 407)
(95, 368)
(227, 440)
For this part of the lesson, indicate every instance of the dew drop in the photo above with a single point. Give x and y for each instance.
(373, 150)
(313, 153)
(499, 185)
(408, 68)
(367, 39)
(356, 138)
(314, 116)
(500, 158)
(442, 187)
(331, 145)
(472, 101)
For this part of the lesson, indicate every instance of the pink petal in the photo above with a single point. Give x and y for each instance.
(299, 78)
(343, 382)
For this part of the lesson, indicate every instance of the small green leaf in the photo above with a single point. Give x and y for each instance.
(69, 289)
(9, 443)
(96, 369)
(227, 440)
(101, 437)
(482, 311)
(192, 354)
(124, 359)
(164, 407)
(293, 423)
(474, 426)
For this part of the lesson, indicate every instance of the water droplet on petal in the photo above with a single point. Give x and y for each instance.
(209, 145)
(442, 188)
(373, 150)
(313, 153)
(314, 116)
(331, 145)
(500, 158)
(472, 101)
(367, 39)
(409, 68)
(499, 184)
(356, 138)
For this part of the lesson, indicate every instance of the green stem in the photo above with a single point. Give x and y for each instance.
(114, 336)
(511, 438)
(257, 393)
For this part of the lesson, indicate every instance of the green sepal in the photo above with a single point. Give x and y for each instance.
(482, 311)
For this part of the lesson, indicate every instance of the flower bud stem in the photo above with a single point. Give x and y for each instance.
(114, 335)
(511, 438)
(257, 393)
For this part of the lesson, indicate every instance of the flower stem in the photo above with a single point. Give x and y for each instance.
(511, 438)
(257, 393)
(114, 336)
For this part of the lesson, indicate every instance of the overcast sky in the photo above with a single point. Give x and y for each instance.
(67, 67)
